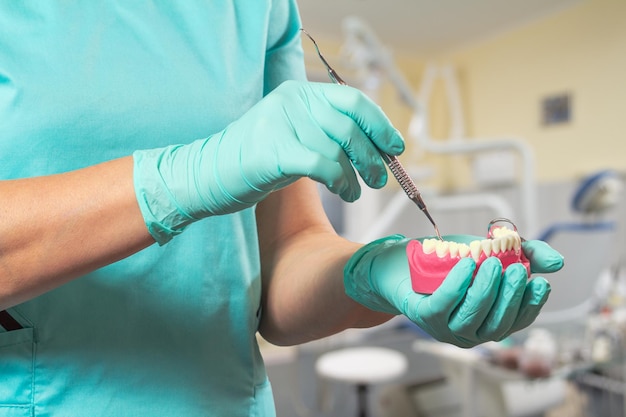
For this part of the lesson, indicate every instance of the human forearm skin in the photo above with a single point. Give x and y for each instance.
(304, 297)
(59, 227)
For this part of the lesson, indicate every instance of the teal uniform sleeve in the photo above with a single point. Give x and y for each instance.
(284, 56)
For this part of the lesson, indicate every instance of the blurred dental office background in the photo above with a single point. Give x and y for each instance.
(510, 108)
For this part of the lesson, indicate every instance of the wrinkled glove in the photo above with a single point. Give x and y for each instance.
(461, 311)
(316, 130)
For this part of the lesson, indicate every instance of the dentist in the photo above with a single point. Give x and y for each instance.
(159, 163)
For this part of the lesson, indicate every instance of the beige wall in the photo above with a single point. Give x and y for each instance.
(580, 51)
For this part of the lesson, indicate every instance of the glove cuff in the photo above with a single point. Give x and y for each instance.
(357, 280)
(164, 218)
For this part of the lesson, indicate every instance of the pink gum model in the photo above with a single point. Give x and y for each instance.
(428, 270)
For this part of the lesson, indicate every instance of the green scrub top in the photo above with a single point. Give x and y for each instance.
(169, 331)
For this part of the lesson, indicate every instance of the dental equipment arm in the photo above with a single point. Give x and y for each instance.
(462, 311)
(360, 35)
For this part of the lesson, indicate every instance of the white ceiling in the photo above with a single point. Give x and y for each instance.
(425, 27)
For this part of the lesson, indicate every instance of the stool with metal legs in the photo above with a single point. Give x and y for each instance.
(362, 366)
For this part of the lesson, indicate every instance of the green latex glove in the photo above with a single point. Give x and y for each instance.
(317, 130)
(491, 308)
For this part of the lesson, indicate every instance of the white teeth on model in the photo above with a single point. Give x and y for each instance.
(454, 249)
(503, 240)
(442, 249)
(513, 240)
(506, 243)
(501, 243)
(464, 250)
(488, 247)
(430, 245)
(475, 249)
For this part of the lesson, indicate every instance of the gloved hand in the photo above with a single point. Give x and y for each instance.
(493, 307)
(315, 130)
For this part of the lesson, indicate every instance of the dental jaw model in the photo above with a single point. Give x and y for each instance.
(431, 260)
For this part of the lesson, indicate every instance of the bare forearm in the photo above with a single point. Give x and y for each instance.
(311, 302)
(59, 227)
(304, 296)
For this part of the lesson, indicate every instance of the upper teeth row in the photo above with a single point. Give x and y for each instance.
(503, 240)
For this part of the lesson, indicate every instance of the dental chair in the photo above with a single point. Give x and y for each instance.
(588, 246)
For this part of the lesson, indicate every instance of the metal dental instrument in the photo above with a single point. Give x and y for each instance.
(396, 168)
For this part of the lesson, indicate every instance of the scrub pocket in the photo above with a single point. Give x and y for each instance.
(16, 372)
(263, 400)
